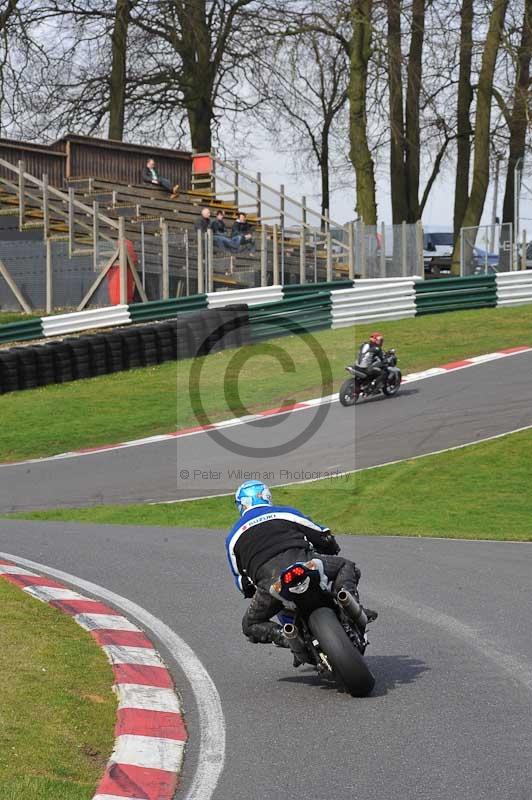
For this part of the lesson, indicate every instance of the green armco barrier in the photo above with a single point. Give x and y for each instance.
(166, 309)
(293, 289)
(21, 331)
(296, 315)
(455, 294)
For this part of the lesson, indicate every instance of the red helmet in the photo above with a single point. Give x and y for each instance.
(377, 338)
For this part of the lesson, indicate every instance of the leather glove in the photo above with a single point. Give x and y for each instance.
(248, 587)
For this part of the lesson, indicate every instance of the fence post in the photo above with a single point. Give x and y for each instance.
(21, 194)
(419, 249)
(165, 260)
(95, 236)
(302, 255)
(122, 259)
(404, 266)
(275, 246)
(263, 257)
(187, 263)
(49, 277)
(143, 255)
(523, 251)
(45, 205)
(201, 283)
(351, 250)
(329, 253)
(237, 177)
(71, 237)
(362, 245)
(259, 196)
(383, 250)
(210, 261)
(304, 210)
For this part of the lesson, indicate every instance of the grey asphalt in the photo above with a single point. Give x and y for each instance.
(451, 651)
(428, 415)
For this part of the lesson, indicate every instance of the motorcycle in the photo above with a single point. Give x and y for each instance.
(364, 384)
(323, 629)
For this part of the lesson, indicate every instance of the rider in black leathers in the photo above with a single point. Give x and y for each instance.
(267, 539)
(373, 359)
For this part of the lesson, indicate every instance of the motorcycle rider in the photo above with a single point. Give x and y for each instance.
(371, 357)
(267, 539)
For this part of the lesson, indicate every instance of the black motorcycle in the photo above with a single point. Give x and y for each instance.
(364, 382)
(323, 629)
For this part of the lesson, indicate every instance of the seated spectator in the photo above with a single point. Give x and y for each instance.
(204, 222)
(241, 232)
(220, 240)
(151, 175)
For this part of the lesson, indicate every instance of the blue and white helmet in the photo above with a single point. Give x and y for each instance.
(250, 494)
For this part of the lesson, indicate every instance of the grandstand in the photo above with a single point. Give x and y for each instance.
(69, 209)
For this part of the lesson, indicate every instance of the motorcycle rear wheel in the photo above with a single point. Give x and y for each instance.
(349, 392)
(350, 669)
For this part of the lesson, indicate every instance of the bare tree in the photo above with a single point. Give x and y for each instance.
(463, 110)
(481, 163)
(520, 114)
(117, 80)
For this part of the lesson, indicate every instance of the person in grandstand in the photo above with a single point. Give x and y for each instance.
(241, 232)
(220, 237)
(151, 175)
(265, 540)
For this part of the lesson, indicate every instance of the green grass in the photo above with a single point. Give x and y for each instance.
(478, 492)
(57, 710)
(15, 316)
(155, 400)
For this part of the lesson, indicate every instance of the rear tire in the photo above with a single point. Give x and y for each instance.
(349, 392)
(349, 667)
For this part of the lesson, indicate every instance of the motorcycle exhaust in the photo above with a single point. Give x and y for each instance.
(352, 607)
(297, 647)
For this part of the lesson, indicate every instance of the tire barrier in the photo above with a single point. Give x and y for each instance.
(195, 334)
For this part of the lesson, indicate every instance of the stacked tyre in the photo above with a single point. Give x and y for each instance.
(121, 349)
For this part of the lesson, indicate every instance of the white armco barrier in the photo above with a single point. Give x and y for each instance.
(85, 320)
(374, 300)
(252, 297)
(514, 288)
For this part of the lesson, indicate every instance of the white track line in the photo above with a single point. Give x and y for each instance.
(211, 756)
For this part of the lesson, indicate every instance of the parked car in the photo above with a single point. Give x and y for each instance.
(437, 252)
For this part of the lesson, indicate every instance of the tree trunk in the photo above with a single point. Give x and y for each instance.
(360, 154)
(412, 140)
(481, 162)
(397, 132)
(117, 81)
(465, 98)
(519, 119)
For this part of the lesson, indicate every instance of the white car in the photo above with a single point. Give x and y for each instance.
(437, 252)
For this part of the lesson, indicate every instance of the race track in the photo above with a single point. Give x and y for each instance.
(452, 653)
(428, 415)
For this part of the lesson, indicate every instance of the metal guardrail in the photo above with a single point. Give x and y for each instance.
(21, 331)
(297, 315)
(166, 309)
(514, 288)
(456, 294)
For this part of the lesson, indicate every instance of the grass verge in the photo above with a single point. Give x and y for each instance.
(478, 492)
(57, 712)
(15, 316)
(128, 405)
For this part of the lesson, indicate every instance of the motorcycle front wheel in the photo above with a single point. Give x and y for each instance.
(392, 386)
(349, 392)
(350, 669)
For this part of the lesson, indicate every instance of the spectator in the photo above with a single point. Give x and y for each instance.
(151, 175)
(241, 232)
(204, 222)
(219, 236)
